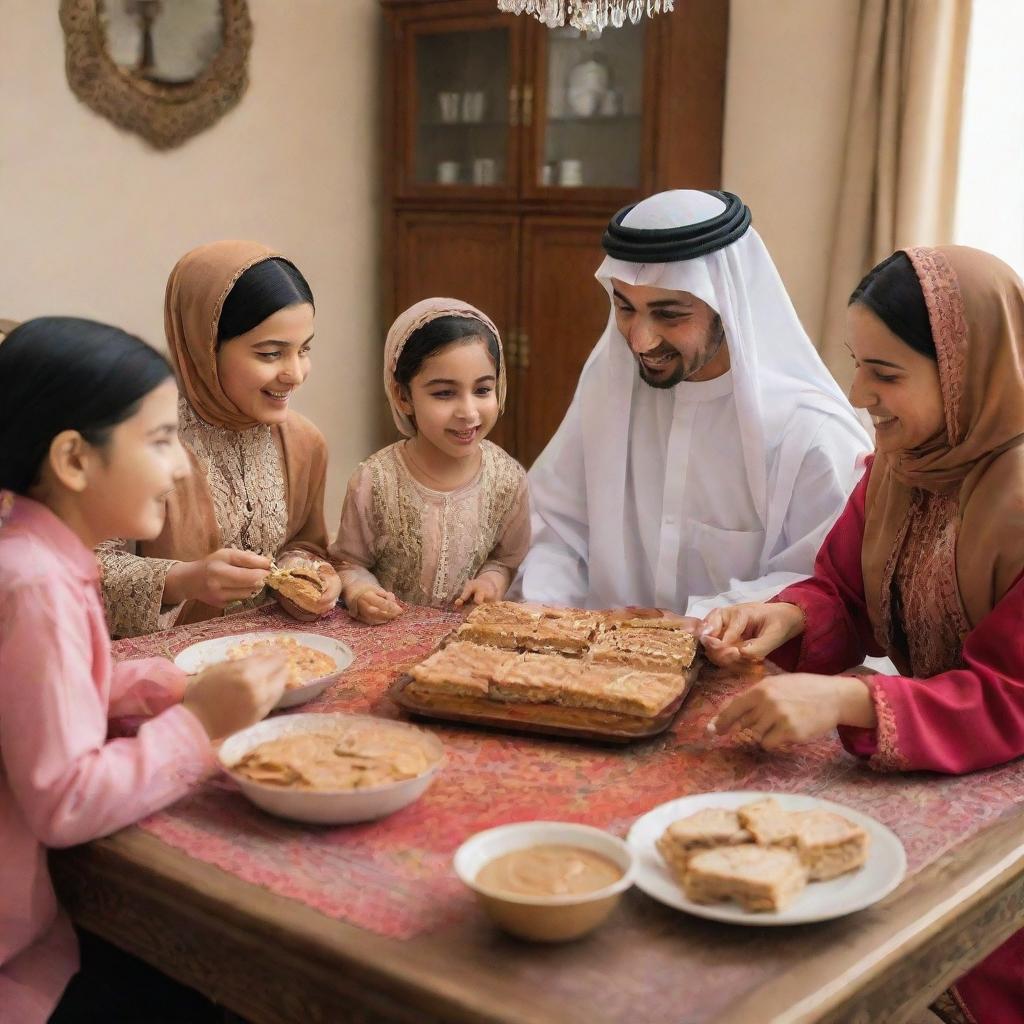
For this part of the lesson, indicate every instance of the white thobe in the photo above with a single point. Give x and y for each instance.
(691, 534)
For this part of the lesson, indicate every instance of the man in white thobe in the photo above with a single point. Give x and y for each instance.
(707, 450)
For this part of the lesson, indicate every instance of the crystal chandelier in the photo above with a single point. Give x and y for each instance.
(587, 15)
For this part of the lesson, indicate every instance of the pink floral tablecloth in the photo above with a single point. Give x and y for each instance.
(394, 876)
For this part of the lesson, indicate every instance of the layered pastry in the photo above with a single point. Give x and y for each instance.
(748, 854)
(305, 664)
(539, 678)
(470, 670)
(768, 823)
(656, 649)
(758, 878)
(356, 759)
(828, 844)
(705, 830)
(300, 584)
(462, 669)
(542, 634)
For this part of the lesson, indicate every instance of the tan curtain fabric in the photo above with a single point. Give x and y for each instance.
(902, 141)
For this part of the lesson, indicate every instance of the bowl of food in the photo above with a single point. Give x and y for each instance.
(314, 661)
(331, 769)
(547, 881)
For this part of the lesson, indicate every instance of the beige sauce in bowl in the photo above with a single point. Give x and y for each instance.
(548, 870)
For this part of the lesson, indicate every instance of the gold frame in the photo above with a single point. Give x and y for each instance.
(164, 115)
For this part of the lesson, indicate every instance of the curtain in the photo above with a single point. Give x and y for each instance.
(902, 141)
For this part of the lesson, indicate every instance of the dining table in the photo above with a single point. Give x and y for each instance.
(280, 921)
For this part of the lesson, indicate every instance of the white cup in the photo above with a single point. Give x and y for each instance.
(449, 102)
(570, 173)
(485, 171)
(448, 172)
(473, 104)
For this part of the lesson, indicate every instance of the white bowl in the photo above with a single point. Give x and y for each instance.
(211, 652)
(544, 918)
(327, 807)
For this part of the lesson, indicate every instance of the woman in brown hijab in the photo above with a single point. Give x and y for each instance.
(926, 563)
(239, 323)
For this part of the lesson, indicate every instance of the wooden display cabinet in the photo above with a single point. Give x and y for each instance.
(509, 145)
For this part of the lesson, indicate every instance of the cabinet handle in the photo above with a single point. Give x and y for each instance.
(523, 351)
(511, 350)
(527, 105)
(513, 106)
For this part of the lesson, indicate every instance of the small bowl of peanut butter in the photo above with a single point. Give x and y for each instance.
(547, 881)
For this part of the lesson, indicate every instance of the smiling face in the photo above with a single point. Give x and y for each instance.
(453, 398)
(897, 385)
(674, 336)
(261, 369)
(119, 488)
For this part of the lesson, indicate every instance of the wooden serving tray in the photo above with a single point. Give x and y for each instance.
(546, 719)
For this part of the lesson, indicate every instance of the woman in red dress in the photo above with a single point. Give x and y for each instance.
(926, 562)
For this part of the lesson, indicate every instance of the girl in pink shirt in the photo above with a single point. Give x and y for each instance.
(88, 450)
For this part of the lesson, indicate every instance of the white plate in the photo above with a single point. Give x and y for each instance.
(820, 901)
(328, 807)
(210, 652)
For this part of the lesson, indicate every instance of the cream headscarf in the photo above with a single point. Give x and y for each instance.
(196, 290)
(411, 321)
(975, 307)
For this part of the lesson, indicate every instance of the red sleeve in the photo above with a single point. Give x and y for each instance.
(958, 721)
(838, 632)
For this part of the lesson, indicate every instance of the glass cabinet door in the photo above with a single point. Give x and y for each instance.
(464, 80)
(590, 111)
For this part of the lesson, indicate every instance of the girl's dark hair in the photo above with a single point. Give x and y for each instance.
(438, 334)
(893, 293)
(261, 291)
(61, 373)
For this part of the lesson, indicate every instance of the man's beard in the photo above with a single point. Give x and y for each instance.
(686, 368)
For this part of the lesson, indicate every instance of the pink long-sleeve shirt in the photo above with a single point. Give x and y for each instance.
(61, 782)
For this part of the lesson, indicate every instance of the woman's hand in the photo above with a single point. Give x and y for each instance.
(741, 633)
(231, 695)
(218, 580)
(374, 606)
(488, 586)
(797, 708)
(329, 596)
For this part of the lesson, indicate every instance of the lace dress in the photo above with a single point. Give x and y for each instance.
(245, 476)
(424, 545)
(929, 618)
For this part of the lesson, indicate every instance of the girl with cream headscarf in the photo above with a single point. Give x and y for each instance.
(926, 563)
(441, 517)
(239, 323)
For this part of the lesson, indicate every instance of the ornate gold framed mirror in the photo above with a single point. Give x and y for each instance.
(164, 69)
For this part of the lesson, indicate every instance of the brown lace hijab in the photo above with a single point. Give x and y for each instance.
(196, 290)
(975, 306)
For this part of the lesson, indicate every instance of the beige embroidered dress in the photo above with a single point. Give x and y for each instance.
(245, 474)
(424, 545)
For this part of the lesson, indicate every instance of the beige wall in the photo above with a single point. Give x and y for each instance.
(92, 219)
(788, 87)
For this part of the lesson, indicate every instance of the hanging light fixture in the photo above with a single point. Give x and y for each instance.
(591, 16)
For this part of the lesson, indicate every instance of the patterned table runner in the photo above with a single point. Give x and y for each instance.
(394, 876)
